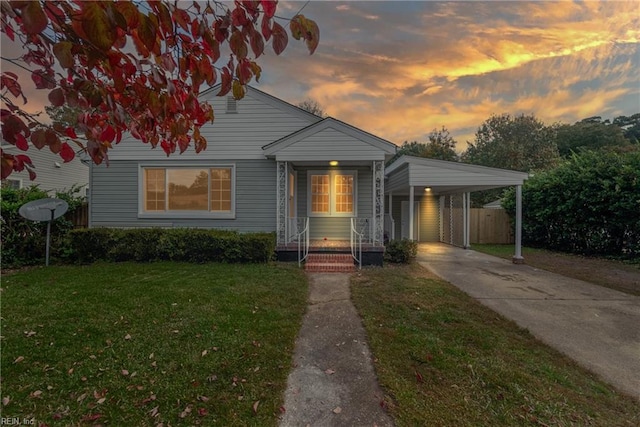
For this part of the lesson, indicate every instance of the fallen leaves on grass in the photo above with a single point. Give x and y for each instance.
(255, 406)
(329, 371)
(19, 359)
(6, 400)
(337, 410)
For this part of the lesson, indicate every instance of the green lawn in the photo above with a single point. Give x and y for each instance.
(180, 344)
(143, 344)
(446, 360)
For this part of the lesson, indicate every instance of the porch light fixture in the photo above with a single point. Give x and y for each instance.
(428, 189)
(333, 163)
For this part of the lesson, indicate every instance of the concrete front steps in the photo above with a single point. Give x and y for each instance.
(329, 263)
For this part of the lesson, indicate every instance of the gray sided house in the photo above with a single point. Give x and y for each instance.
(52, 174)
(318, 184)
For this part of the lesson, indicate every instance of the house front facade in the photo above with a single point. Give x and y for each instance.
(272, 167)
(269, 167)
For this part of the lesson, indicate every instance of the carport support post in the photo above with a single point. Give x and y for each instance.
(517, 258)
(467, 220)
(411, 204)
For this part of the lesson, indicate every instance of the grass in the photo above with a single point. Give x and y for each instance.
(144, 344)
(614, 274)
(446, 360)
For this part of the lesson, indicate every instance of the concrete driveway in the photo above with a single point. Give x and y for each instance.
(597, 327)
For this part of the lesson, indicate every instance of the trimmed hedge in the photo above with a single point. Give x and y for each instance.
(401, 251)
(588, 205)
(175, 244)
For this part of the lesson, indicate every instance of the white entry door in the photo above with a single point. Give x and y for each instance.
(405, 218)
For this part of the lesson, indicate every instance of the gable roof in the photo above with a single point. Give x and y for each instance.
(336, 135)
(446, 177)
(269, 100)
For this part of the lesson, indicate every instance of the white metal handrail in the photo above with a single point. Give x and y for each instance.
(356, 243)
(303, 242)
(389, 227)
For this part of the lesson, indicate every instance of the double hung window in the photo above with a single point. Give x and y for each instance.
(332, 194)
(189, 190)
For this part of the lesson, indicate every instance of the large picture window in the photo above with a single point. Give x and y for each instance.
(188, 190)
(332, 194)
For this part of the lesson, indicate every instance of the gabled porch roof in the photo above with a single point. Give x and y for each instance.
(444, 177)
(330, 139)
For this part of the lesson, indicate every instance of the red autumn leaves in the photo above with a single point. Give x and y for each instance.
(132, 68)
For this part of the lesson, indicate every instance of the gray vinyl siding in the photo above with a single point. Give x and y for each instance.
(429, 217)
(330, 144)
(397, 180)
(115, 197)
(49, 177)
(335, 228)
(239, 135)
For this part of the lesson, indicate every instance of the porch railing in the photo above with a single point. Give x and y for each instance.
(359, 228)
(302, 238)
(389, 227)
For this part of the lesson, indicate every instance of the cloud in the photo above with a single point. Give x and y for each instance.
(424, 65)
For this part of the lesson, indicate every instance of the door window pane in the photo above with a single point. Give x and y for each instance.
(320, 193)
(344, 193)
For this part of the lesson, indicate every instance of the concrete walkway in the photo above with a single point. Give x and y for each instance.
(595, 326)
(333, 382)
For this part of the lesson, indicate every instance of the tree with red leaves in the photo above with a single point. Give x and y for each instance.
(132, 67)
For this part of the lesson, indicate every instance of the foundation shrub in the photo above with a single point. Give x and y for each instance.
(177, 244)
(401, 251)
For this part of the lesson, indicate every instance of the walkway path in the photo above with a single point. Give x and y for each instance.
(595, 326)
(333, 382)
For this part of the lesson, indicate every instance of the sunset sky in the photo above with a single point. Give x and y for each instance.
(400, 69)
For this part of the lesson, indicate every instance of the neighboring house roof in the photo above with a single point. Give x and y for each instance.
(330, 139)
(445, 177)
(496, 204)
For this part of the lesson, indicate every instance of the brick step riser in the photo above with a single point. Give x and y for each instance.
(329, 263)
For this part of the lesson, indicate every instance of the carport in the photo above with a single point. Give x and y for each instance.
(429, 200)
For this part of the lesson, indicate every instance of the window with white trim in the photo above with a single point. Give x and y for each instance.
(332, 193)
(13, 183)
(188, 190)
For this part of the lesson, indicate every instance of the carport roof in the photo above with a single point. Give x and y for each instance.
(444, 177)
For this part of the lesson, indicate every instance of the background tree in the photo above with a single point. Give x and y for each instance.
(312, 106)
(589, 205)
(64, 115)
(590, 134)
(440, 145)
(630, 127)
(521, 143)
(132, 67)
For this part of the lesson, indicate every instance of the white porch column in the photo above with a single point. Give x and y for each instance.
(378, 202)
(411, 207)
(281, 203)
(517, 258)
(441, 216)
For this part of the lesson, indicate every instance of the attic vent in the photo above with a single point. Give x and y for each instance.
(232, 106)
